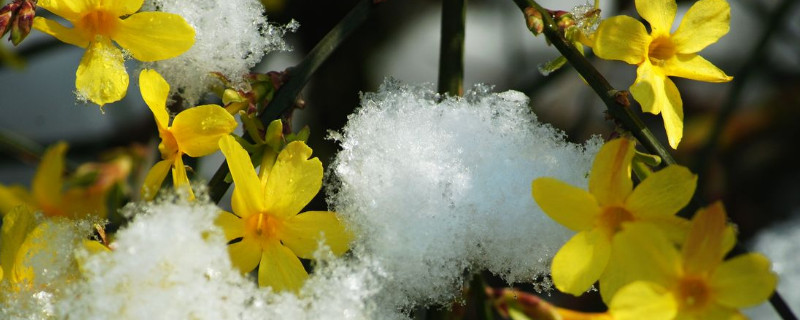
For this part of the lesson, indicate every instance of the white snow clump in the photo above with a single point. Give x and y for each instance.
(231, 37)
(434, 189)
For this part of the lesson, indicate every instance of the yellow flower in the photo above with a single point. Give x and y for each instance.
(660, 54)
(194, 132)
(610, 205)
(48, 194)
(265, 215)
(694, 283)
(147, 36)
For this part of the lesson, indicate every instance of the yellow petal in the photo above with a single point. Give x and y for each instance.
(293, 181)
(663, 193)
(81, 203)
(580, 262)
(643, 300)
(659, 13)
(610, 178)
(101, 77)
(68, 9)
(712, 312)
(704, 23)
(646, 254)
(121, 7)
(743, 281)
(675, 228)
(658, 94)
(12, 197)
(244, 176)
(155, 91)
(231, 225)
(48, 181)
(197, 130)
(621, 38)
(154, 179)
(572, 207)
(245, 254)
(703, 247)
(302, 233)
(67, 35)
(152, 36)
(692, 66)
(179, 178)
(17, 224)
(280, 269)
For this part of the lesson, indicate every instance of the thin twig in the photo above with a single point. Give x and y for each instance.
(616, 101)
(451, 51)
(298, 77)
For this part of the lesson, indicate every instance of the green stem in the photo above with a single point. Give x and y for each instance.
(616, 101)
(451, 51)
(19, 146)
(298, 77)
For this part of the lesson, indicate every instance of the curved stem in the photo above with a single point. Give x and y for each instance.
(616, 101)
(298, 77)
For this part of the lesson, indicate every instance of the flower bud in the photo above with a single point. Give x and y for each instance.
(6, 15)
(23, 21)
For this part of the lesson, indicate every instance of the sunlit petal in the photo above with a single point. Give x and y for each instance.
(580, 262)
(101, 77)
(646, 254)
(621, 38)
(293, 181)
(17, 224)
(570, 206)
(744, 281)
(231, 225)
(643, 300)
(659, 13)
(703, 247)
(245, 255)
(704, 23)
(197, 130)
(122, 7)
(692, 66)
(154, 179)
(663, 193)
(280, 269)
(55, 29)
(67, 9)
(244, 177)
(155, 91)
(180, 181)
(152, 36)
(610, 178)
(302, 233)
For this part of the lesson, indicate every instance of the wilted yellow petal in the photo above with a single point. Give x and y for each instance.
(659, 13)
(101, 77)
(151, 36)
(197, 130)
(154, 179)
(244, 177)
(663, 193)
(581, 261)
(744, 281)
(48, 181)
(293, 181)
(71, 10)
(610, 178)
(692, 66)
(704, 23)
(280, 269)
(643, 300)
(231, 225)
(55, 29)
(17, 224)
(621, 38)
(572, 207)
(703, 247)
(245, 254)
(155, 91)
(302, 233)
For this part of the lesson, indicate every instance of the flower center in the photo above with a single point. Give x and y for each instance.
(693, 293)
(611, 219)
(661, 49)
(99, 22)
(262, 226)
